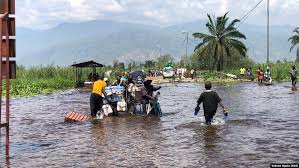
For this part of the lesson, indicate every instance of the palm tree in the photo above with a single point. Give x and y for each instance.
(294, 39)
(221, 40)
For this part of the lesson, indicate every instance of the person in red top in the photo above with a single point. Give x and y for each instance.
(260, 75)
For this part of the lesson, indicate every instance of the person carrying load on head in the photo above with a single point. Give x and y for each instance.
(293, 73)
(210, 100)
(147, 93)
(96, 99)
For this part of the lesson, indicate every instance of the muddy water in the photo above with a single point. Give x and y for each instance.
(262, 128)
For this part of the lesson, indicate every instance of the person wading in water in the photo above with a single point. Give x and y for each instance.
(147, 93)
(210, 100)
(260, 75)
(293, 73)
(96, 99)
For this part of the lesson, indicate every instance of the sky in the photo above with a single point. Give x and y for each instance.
(45, 14)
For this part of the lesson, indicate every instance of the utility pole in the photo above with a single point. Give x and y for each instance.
(158, 46)
(187, 41)
(268, 42)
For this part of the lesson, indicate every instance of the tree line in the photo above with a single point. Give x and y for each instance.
(221, 48)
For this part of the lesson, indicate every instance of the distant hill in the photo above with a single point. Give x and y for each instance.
(104, 41)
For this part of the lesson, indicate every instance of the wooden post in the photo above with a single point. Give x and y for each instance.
(7, 83)
(7, 24)
(0, 78)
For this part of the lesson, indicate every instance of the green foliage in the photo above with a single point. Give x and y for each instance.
(163, 60)
(295, 38)
(279, 71)
(39, 80)
(149, 64)
(204, 62)
(221, 43)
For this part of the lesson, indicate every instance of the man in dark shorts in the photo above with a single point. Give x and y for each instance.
(293, 73)
(96, 99)
(210, 101)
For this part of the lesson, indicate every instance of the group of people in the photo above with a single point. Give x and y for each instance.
(209, 98)
(155, 73)
(244, 71)
(264, 76)
(100, 83)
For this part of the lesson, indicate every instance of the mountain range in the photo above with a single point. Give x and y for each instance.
(104, 41)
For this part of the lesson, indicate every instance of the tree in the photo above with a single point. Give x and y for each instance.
(164, 59)
(149, 64)
(295, 40)
(115, 63)
(122, 66)
(221, 40)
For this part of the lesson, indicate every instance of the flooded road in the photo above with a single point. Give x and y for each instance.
(262, 129)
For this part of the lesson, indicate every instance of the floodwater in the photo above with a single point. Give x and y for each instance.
(262, 129)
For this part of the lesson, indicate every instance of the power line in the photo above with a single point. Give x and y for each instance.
(248, 13)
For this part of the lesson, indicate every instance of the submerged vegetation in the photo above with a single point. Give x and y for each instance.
(39, 80)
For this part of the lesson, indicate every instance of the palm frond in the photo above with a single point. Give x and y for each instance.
(201, 35)
(231, 26)
(234, 34)
(238, 45)
(211, 25)
(221, 24)
(294, 41)
(199, 46)
(296, 31)
(206, 41)
(222, 39)
(233, 23)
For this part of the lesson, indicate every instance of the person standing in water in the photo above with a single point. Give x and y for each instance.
(210, 100)
(293, 73)
(96, 99)
(148, 93)
(267, 76)
(260, 75)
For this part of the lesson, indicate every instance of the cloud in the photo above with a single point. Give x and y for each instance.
(43, 14)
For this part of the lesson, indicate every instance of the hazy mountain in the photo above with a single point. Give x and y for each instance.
(104, 41)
